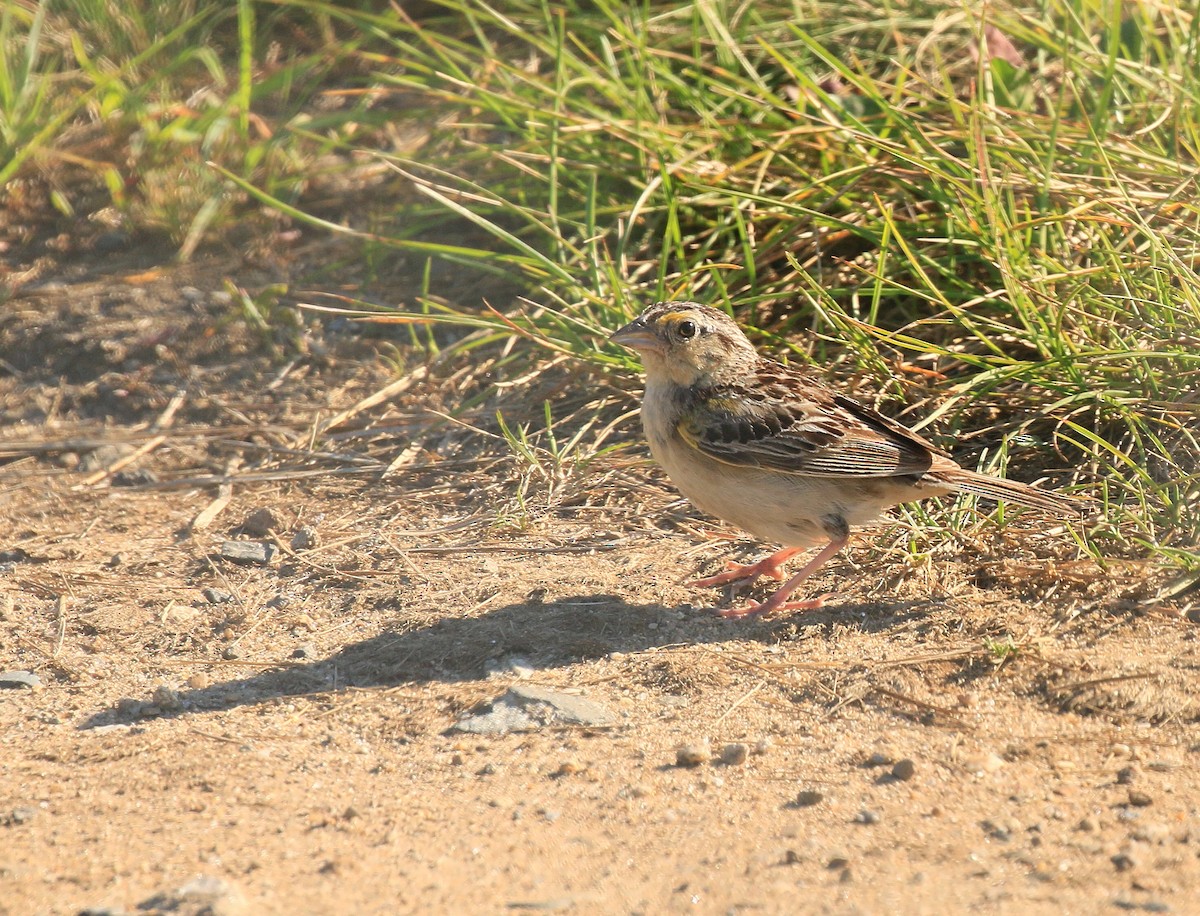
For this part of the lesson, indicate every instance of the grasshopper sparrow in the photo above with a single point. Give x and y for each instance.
(778, 453)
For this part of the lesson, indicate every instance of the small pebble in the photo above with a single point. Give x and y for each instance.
(763, 745)
(263, 521)
(734, 755)
(867, 817)
(198, 681)
(1123, 861)
(166, 698)
(305, 538)
(692, 755)
(215, 595)
(568, 768)
(1139, 799)
(18, 816)
(1087, 825)
(837, 862)
(1126, 775)
(115, 560)
(879, 759)
(128, 706)
(806, 798)
(904, 769)
(996, 831)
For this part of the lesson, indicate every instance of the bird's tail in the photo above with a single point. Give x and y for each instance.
(1013, 492)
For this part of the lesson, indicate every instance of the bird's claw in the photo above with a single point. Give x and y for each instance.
(768, 608)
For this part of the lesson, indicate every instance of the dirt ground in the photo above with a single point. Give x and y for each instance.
(1003, 728)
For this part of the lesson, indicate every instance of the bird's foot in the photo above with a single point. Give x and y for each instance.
(770, 606)
(771, 566)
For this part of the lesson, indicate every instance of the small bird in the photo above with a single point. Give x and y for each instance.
(777, 452)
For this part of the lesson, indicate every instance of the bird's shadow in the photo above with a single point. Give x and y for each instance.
(543, 636)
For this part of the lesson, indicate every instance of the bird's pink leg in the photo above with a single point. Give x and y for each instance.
(778, 601)
(734, 572)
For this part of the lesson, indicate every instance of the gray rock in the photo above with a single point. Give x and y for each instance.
(17, 816)
(258, 552)
(15, 680)
(167, 698)
(204, 894)
(527, 707)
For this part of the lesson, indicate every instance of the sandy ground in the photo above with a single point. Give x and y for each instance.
(1001, 728)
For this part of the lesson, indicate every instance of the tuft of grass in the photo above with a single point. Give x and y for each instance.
(117, 108)
(992, 220)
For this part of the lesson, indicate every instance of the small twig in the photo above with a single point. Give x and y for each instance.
(60, 621)
(1098, 681)
(97, 476)
(209, 513)
(163, 422)
(921, 704)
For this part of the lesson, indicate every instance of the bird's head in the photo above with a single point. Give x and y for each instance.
(688, 343)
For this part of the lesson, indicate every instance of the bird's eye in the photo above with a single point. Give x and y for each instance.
(686, 329)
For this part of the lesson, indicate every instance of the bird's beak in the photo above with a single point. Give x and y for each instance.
(637, 336)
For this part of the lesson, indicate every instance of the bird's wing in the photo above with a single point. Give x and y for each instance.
(806, 430)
